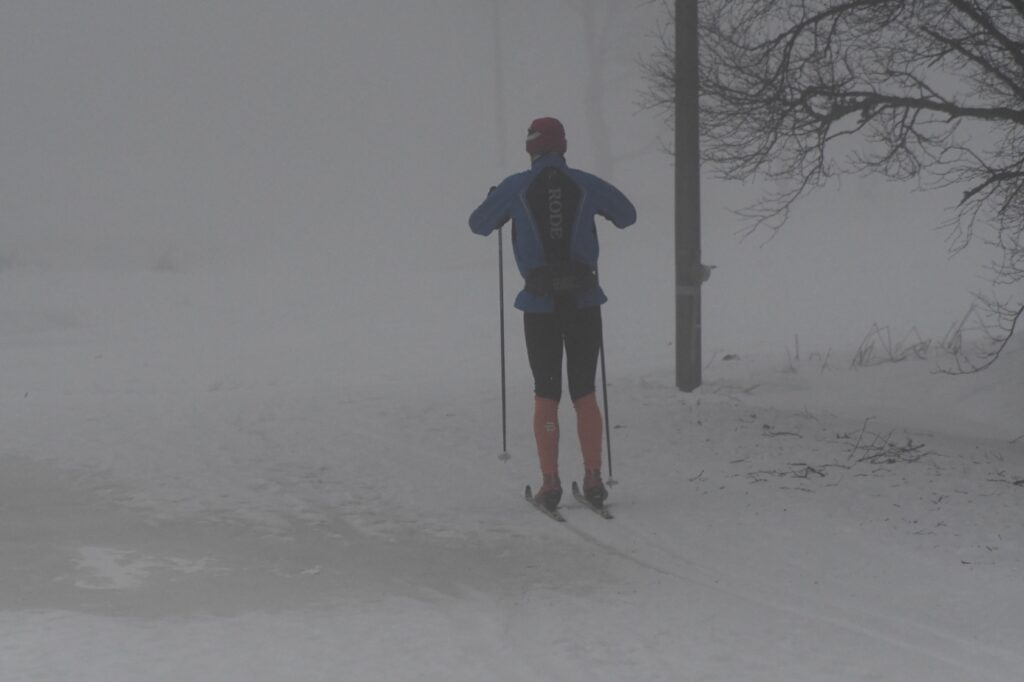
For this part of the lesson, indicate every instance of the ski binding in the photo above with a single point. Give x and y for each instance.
(554, 514)
(600, 511)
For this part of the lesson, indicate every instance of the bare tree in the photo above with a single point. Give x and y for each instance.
(595, 44)
(603, 23)
(798, 92)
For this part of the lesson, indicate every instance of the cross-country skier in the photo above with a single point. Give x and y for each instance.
(552, 209)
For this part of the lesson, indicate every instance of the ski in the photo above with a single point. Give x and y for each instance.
(554, 514)
(600, 511)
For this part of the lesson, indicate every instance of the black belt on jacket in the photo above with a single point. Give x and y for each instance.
(561, 279)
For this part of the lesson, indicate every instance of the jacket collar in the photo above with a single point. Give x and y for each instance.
(549, 159)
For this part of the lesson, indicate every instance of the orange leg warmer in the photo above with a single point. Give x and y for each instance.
(545, 430)
(588, 426)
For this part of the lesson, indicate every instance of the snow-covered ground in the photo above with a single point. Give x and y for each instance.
(252, 474)
(249, 375)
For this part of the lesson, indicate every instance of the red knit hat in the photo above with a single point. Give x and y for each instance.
(545, 135)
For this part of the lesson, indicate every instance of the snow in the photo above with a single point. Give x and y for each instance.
(204, 476)
(249, 377)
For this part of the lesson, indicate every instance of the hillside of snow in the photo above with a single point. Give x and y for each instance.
(198, 484)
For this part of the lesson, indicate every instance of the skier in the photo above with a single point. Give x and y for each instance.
(552, 209)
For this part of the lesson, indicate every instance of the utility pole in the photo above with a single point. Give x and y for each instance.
(689, 271)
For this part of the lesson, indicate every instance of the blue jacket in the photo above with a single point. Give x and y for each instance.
(592, 196)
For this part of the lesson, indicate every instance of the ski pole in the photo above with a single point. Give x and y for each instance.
(501, 308)
(607, 419)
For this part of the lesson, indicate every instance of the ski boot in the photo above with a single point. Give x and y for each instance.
(593, 488)
(550, 493)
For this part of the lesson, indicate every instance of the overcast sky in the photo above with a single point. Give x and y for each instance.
(357, 135)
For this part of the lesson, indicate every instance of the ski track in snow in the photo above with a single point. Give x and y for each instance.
(202, 511)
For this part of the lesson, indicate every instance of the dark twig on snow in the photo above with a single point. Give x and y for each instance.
(997, 332)
(796, 470)
(767, 430)
(878, 347)
(1004, 479)
(882, 449)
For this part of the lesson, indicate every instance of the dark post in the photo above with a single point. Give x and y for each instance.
(689, 272)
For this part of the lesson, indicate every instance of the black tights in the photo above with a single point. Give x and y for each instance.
(579, 332)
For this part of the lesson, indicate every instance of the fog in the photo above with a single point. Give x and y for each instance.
(335, 150)
(249, 374)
